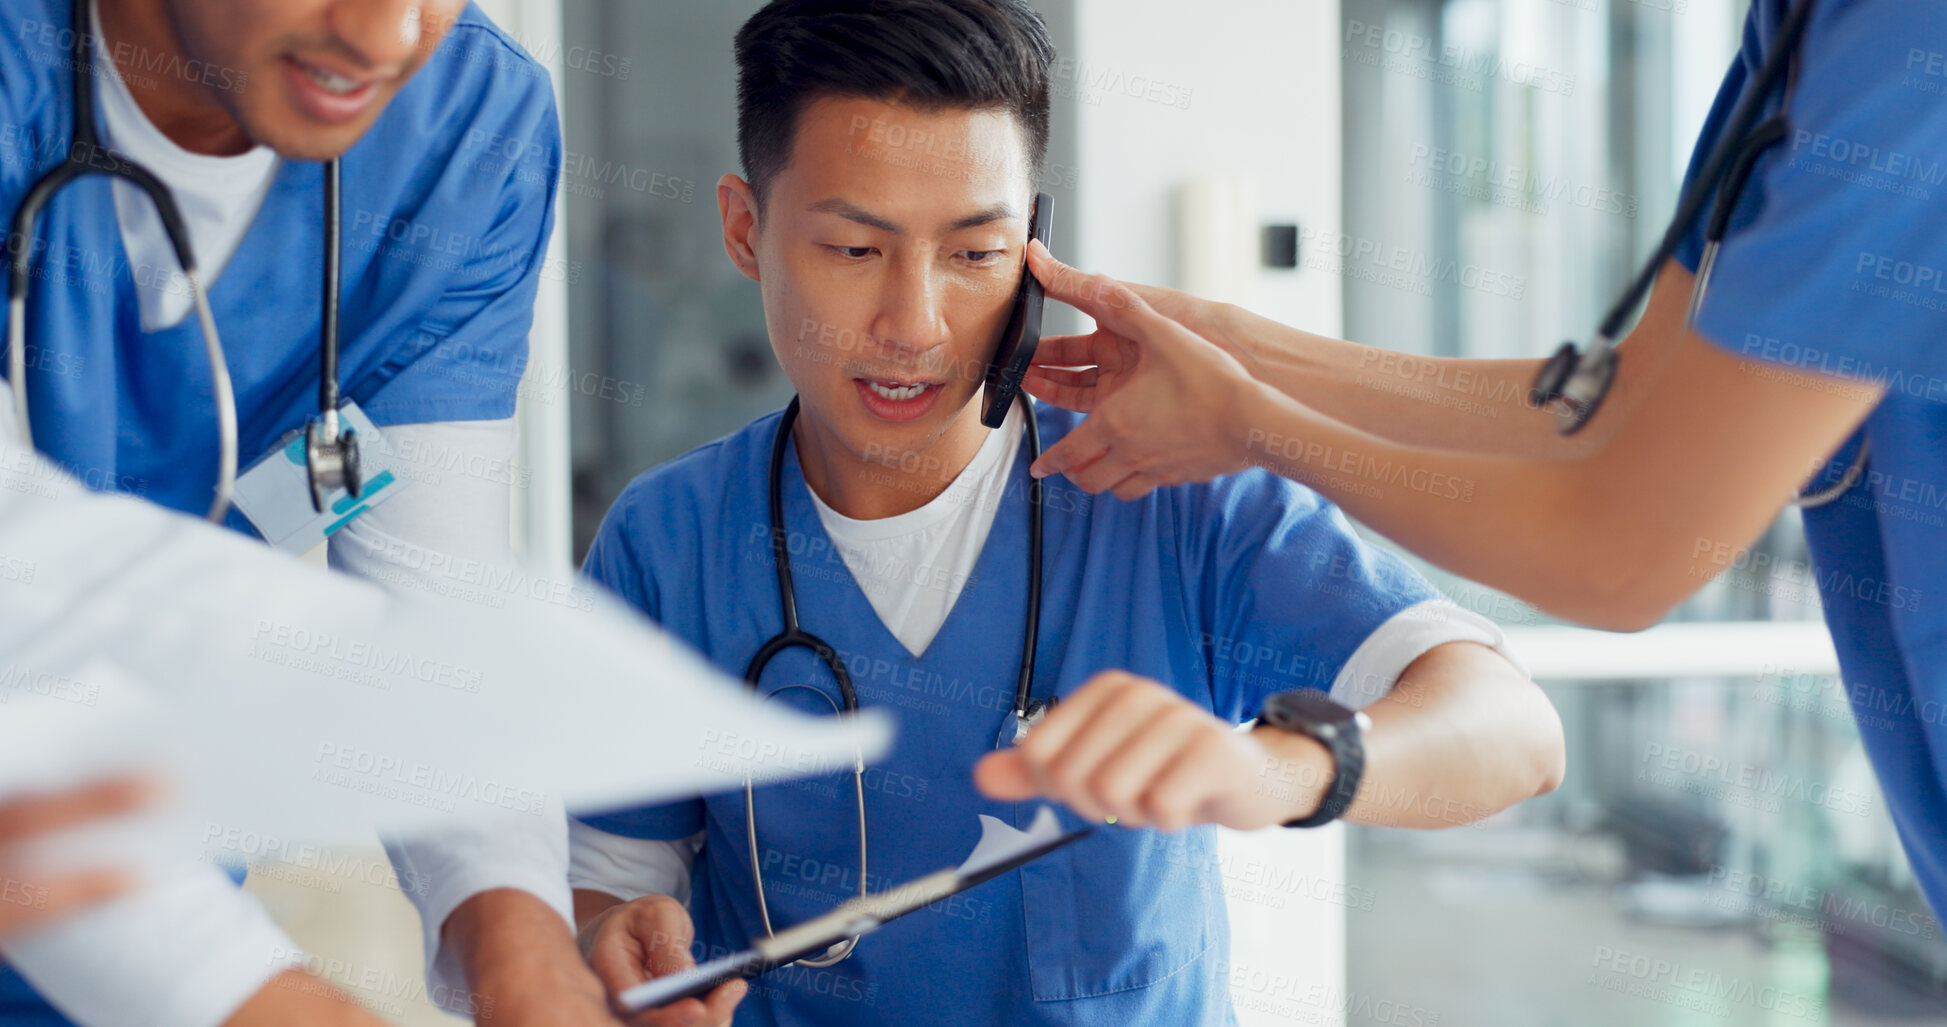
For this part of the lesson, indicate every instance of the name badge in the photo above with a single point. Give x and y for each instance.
(275, 491)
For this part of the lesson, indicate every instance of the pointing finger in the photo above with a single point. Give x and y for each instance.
(1005, 776)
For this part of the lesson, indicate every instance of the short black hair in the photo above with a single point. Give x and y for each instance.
(932, 54)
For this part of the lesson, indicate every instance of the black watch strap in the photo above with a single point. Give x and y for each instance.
(1340, 730)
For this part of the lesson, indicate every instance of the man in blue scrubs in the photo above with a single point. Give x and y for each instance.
(1815, 365)
(891, 148)
(450, 146)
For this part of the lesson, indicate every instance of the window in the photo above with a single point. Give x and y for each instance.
(1720, 851)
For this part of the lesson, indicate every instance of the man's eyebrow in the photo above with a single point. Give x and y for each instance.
(997, 212)
(854, 212)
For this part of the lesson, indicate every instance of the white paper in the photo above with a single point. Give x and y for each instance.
(283, 699)
(1000, 842)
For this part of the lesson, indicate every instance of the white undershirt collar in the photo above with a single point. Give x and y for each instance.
(219, 196)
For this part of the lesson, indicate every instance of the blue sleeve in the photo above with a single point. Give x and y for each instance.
(35, 47)
(1749, 55)
(614, 558)
(615, 561)
(489, 306)
(33, 122)
(1834, 261)
(1282, 590)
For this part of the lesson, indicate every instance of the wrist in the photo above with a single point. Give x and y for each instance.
(1293, 777)
(1226, 325)
(1255, 411)
(590, 927)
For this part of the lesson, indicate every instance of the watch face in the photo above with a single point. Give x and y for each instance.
(1306, 706)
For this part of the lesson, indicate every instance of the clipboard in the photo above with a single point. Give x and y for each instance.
(1002, 848)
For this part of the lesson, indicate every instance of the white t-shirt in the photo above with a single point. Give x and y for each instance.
(913, 566)
(219, 197)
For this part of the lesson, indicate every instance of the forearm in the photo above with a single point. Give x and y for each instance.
(1462, 736)
(1689, 459)
(1453, 507)
(297, 997)
(1475, 405)
(515, 950)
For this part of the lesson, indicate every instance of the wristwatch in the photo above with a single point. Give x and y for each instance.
(1312, 713)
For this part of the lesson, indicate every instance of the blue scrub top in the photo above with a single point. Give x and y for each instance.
(1835, 262)
(1228, 592)
(447, 206)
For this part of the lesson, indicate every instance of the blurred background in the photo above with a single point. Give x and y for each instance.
(1446, 177)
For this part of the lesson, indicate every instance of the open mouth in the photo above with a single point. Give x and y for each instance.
(893, 400)
(897, 392)
(329, 95)
(330, 80)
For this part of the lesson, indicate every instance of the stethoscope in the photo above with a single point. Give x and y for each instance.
(1027, 709)
(1576, 383)
(331, 449)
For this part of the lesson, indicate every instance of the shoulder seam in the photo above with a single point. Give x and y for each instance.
(498, 34)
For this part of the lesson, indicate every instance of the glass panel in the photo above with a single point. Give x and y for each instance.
(1719, 853)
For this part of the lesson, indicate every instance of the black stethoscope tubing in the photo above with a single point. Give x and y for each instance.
(794, 636)
(332, 457)
(1579, 381)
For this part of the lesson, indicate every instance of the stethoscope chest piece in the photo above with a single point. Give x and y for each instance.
(1024, 720)
(333, 462)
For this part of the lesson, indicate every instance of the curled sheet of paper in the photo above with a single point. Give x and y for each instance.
(281, 698)
(1001, 842)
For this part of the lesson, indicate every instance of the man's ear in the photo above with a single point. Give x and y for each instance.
(738, 206)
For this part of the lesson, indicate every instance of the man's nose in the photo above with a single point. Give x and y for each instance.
(384, 34)
(912, 311)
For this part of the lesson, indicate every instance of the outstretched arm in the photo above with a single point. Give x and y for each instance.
(1463, 735)
(1695, 453)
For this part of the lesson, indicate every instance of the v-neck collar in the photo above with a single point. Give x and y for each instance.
(1010, 522)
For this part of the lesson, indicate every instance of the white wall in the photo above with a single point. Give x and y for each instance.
(542, 516)
(1262, 78)
(1246, 88)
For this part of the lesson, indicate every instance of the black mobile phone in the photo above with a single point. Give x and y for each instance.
(1023, 332)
